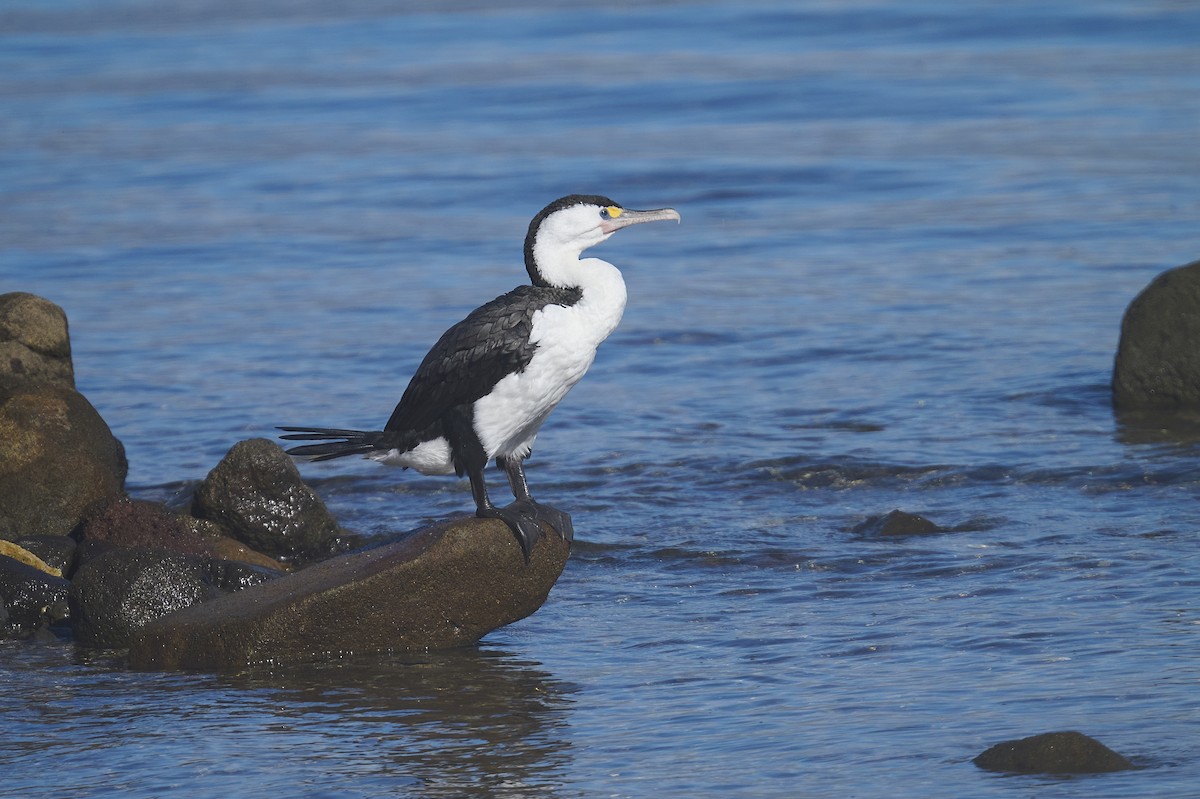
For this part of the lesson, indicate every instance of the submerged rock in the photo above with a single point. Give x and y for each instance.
(444, 586)
(1052, 753)
(256, 494)
(1157, 366)
(897, 523)
(57, 459)
(34, 344)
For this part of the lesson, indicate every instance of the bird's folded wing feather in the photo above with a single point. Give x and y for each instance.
(473, 355)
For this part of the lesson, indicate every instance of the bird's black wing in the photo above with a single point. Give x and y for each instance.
(475, 354)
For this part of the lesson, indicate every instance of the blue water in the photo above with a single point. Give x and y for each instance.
(909, 233)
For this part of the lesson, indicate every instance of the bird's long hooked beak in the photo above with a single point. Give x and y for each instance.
(624, 217)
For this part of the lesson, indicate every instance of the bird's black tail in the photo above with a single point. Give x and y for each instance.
(338, 443)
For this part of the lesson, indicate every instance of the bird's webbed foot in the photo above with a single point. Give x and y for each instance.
(524, 527)
(525, 518)
(560, 520)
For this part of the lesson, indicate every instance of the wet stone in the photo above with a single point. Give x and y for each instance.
(256, 494)
(121, 590)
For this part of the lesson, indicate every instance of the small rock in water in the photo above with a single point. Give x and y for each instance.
(441, 587)
(256, 494)
(1052, 753)
(897, 523)
(1158, 358)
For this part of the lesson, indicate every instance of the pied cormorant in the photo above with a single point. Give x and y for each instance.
(491, 380)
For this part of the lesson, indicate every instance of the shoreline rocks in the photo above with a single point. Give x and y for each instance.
(125, 566)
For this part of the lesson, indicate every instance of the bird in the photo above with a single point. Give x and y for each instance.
(483, 391)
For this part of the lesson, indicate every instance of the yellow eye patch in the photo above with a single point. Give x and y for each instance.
(613, 211)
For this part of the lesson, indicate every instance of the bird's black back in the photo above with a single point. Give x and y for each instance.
(475, 354)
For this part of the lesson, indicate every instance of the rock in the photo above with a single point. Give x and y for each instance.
(228, 576)
(34, 344)
(230, 549)
(897, 523)
(1158, 358)
(256, 493)
(136, 524)
(443, 586)
(57, 458)
(31, 598)
(121, 590)
(1052, 753)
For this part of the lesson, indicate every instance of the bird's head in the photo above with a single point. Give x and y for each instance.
(569, 225)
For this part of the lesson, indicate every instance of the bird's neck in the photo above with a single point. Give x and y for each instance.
(602, 288)
(603, 296)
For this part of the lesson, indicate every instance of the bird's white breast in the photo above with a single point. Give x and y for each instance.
(508, 418)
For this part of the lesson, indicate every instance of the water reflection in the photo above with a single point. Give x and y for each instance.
(1180, 427)
(462, 723)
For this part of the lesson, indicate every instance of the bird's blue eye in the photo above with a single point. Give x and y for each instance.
(604, 213)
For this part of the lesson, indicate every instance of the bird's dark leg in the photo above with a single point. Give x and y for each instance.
(560, 520)
(469, 456)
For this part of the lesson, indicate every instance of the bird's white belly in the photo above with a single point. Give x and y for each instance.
(429, 457)
(507, 419)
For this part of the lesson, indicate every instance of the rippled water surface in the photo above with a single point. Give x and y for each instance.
(909, 233)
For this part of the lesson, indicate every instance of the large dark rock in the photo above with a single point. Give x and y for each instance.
(441, 587)
(1158, 358)
(256, 494)
(121, 590)
(57, 459)
(1052, 753)
(34, 344)
(31, 597)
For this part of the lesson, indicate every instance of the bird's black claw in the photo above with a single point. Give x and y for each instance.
(524, 527)
(525, 519)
